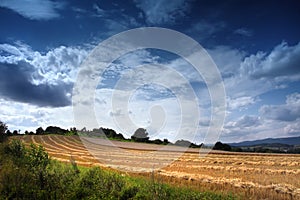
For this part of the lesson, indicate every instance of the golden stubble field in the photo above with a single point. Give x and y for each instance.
(251, 175)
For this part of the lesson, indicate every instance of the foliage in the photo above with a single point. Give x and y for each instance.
(183, 143)
(39, 131)
(3, 128)
(158, 141)
(55, 130)
(221, 146)
(110, 133)
(140, 135)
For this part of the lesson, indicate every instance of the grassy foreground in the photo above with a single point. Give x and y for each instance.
(29, 173)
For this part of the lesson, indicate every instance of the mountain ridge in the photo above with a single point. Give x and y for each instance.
(286, 140)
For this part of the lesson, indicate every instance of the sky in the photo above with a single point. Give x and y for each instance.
(254, 44)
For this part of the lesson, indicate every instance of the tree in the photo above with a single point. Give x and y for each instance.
(221, 146)
(3, 128)
(157, 141)
(166, 141)
(140, 135)
(39, 131)
(15, 132)
(55, 130)
(8, 133)
(73, 131)
(183, 143)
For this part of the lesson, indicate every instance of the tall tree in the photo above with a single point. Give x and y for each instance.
(221, 146)
(39, 131)
(8, 133)
(3, 128)
(140, 135)
(15, 132)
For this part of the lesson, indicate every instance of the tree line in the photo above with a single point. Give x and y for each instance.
(5, 132)
(140, 135)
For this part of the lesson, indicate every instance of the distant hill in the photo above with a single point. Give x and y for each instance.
(287, 141)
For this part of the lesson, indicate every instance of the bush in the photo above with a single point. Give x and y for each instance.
(98, 184)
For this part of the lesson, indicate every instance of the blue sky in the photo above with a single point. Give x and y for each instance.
(255, 44)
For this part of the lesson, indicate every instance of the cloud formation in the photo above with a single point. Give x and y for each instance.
(248, 121)
(243, 32)
(282, 61)
(204, 29)
(39, 79)
(163, 11)
(288, 112)
(15, 84)
(34, 9)
(55, 70)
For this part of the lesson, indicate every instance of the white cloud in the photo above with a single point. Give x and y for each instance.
(243, 90)
(244, 32)
(286, 112)
(248, 121)
(34, 9)
(204, 29)
(292, 127)
(241, 102)
(281, 62)
(272, 121)
(43, 79)
(29, 117)
(228, 60)
(162, 117)
(57, 65)
(293, 99)
(163, 11)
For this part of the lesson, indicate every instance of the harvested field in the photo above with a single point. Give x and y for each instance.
(254, 176)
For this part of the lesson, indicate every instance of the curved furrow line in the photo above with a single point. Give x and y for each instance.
(50, 146)
(70, 141)
(249, 161)
(132, 157)
(26, 140)
(69, 155)
(236, 182)
(86, 164)
(63, 139)
(248, 170)
(77, 158)
(46, 140)
(75, 139)
(32, 137)
(77, 153)
(95, 149)
(64, 147)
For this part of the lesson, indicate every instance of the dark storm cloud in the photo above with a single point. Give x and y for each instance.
(15, 84)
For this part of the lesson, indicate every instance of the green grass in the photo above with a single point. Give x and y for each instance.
(29, 173)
